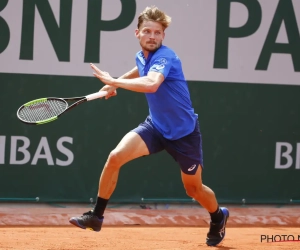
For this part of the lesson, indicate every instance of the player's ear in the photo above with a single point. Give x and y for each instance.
(137, 33)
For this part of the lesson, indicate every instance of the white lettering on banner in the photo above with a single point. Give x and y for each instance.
(65, 151)
(283, 153)
(2, 149)
(226, 41)
(20, 151)
(23, 149)
(43, 145)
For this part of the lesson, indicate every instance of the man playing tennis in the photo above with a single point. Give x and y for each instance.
(171, 125)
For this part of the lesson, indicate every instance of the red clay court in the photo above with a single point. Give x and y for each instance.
(46, 226)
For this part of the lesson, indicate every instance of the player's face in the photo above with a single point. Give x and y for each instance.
(150, 35)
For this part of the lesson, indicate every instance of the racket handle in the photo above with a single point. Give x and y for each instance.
(96, 95)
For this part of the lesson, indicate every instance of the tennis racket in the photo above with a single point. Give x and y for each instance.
(44, 110)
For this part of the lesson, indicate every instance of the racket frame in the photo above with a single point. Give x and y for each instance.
(79, 100)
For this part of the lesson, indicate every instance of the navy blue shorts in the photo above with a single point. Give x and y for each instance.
(187, 151)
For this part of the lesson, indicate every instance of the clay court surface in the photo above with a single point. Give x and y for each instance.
(138, 238)
(128, 227)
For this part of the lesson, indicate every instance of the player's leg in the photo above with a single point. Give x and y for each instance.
(201, 193)
(187, 151)
(139, 142)
(130, 147)
(207, 199)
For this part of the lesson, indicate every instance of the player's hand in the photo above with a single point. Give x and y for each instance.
(103, 76)
(111, 91)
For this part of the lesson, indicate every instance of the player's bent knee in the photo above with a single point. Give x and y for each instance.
(193, 191)
(114, 159)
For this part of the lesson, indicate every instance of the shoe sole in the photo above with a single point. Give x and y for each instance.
(227, 216)
(75, 223)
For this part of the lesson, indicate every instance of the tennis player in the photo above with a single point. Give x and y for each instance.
(171, 125)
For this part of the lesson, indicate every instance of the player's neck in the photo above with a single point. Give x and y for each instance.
(146, 53)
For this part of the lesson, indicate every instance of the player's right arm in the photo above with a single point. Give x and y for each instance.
(134, 73)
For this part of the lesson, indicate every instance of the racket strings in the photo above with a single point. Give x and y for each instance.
(42, 110)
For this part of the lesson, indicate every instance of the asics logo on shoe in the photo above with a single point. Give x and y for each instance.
(222, 231)
(192, 167)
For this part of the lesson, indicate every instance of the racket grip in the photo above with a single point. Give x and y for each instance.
(96, 95)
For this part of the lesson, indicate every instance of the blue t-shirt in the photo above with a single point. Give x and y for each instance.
(170, 107)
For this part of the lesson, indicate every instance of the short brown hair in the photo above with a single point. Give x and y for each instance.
(154, 14)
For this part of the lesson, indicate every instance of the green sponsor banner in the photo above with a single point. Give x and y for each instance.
(251, 143)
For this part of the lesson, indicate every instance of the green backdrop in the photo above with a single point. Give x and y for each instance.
(240, 123)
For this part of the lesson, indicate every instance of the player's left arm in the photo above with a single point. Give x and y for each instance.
(145, 84)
